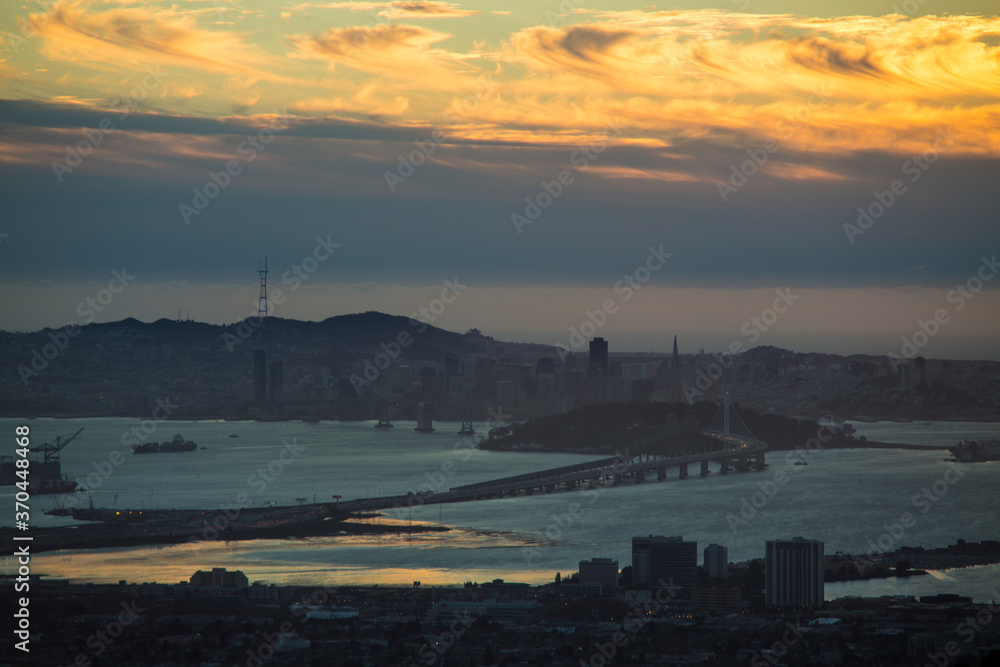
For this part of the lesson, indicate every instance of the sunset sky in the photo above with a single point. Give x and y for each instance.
(741, 136)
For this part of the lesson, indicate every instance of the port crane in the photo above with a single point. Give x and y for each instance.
(50, 451)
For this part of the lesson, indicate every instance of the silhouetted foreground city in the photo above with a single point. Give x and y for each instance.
(217, 619)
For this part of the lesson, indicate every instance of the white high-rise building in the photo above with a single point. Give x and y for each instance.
(793, 573)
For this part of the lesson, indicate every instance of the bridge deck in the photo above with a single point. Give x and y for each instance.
(724, 447)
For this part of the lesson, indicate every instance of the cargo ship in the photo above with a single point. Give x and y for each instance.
(178, 444)
(976, 452)
(51, 485)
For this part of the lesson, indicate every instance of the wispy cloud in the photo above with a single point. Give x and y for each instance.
(401, 9)
(135, 37)
(392, 51)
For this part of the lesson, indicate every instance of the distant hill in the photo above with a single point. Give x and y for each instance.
(122, 367)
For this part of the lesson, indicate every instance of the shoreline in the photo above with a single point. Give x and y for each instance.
(979, 419)
(833, 444)
(169, 527)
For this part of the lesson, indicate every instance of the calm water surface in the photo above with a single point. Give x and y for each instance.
(847, 498)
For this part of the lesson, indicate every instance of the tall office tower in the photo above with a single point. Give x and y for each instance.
(657, 557)
(511, 396)
(508, 397)
(259, 375)
(569, 363)
(793, 573)
(277, 380)
(716, 561)
(452, 370)
(603, 571)
(428, 382)
(640, 560)
(574, 386)
(599, 355)
(486, 384)
(642, 390)
(674, 561)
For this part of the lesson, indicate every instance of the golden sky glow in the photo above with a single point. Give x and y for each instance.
(649, 111)
(820, 84)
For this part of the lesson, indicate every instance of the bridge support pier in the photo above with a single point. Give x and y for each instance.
(683, 470)
(616, 480)
(725, 466)
(640, 476)
(704, 468)
(661, 474)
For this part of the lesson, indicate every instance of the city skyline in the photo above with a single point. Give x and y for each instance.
(579, 332)
(693, 160)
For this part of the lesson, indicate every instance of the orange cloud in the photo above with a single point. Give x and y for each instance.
(426, 9)
(137, 37)
(393, 52)
(827, 85)
(366, 102)
(410, 9)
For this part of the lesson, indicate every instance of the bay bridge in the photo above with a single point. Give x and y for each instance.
(680, 445)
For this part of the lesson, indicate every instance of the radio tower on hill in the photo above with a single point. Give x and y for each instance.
(262, 303)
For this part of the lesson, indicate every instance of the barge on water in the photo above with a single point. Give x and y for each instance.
(976, 452)
(178, 444)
